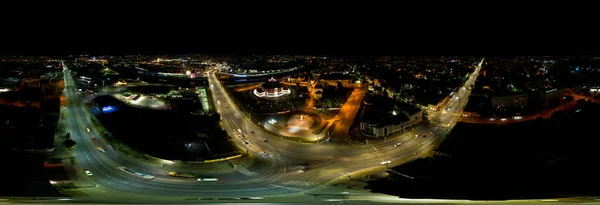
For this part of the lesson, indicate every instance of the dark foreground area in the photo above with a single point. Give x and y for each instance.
(167, 134)
(542, 158)
(24, 175)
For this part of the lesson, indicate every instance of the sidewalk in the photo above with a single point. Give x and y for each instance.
(59, 136)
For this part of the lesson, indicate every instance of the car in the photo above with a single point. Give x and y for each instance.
(417, 135)
(424, 136)
(303, 169)
(95, 140)
(265, 140)
(398, 144)
(246, 142)
(252, 131)
(102, 150)
(182, 174)
(87, 129)
(87, 172)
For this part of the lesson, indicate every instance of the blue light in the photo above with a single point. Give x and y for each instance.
(108, 109)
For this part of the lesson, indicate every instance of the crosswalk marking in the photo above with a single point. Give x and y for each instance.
(300, 183)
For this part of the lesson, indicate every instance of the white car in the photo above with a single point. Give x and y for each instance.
(398, 144)
(87, 172)
(87, 129)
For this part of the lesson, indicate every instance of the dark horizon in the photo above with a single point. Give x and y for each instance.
(299, 43)
(316, 52)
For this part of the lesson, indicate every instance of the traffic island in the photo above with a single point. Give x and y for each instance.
(297, 126)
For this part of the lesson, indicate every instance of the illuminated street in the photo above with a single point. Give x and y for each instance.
(159, 103)
(280, 179)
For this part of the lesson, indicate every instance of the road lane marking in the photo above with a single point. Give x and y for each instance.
(287, 187)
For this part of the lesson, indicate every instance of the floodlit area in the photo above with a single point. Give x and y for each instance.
(203, 96)
(300, 122)
(305, 127)
(143, 101)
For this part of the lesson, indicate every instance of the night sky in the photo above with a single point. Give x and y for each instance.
(299, 29)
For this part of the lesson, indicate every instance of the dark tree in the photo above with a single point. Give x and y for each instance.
(69, 144)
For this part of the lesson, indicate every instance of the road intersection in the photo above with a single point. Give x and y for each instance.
(278, 177)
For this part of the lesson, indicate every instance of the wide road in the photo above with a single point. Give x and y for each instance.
(347, 114)
(278, 179)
